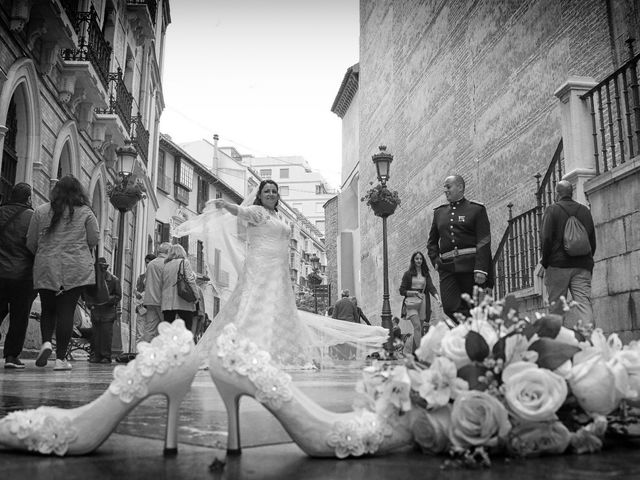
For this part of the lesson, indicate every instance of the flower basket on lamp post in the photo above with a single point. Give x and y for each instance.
(382, 201)
(123, 202)
(126, 192)
(383, 208)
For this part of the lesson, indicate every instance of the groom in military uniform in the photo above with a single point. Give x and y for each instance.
(459, 247)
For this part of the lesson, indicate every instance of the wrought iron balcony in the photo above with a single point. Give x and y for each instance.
(120, 100)
(140, 137)
(92, 46)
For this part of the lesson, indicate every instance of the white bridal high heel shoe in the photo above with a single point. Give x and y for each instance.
(238, 367)
(165, 366)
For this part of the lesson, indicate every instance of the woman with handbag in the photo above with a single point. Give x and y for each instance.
(178, 287)
(416, 307)
(61, 235)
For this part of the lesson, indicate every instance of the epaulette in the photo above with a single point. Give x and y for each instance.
(440, 206)
(477, 203)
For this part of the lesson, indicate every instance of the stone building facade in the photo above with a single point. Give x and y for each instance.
(468, 88)
(79, 80)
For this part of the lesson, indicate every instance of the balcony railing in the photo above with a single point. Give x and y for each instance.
(140, 137)
(518, 252)
(615, 115)
(92, 46)
(120, 100)
(152, 5)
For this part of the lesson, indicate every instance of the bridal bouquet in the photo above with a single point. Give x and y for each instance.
(501, 383)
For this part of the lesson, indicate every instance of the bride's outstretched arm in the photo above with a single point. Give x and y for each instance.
(229, 207)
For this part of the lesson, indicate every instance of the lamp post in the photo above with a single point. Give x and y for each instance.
(123, 202)
(315, 277)
(383, 209)
(126, 162)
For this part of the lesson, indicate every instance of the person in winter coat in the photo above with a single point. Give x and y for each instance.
(172, 303)
(61, 235)
(16, 268)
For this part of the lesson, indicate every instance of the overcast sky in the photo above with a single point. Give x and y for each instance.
(262, 74)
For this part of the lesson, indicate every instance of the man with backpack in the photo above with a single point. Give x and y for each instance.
(568, 244)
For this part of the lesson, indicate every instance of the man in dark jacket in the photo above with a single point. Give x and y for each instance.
(103, 315)
(16, 270)
(344, 309)
(459, 247)
(563, 272)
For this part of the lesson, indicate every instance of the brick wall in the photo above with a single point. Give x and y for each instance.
(464, 87)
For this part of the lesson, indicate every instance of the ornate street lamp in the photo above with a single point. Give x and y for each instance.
(124, 194)
(382, 160)
(383, 203)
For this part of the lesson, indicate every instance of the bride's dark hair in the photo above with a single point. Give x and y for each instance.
(263, 183)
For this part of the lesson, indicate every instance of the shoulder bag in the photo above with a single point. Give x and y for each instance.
(184, 289)
(98, 293)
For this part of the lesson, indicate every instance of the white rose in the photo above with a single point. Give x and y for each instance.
(630, 359)
(486, 330)
(430, 343)
(452, 345)
(533, 393)
(597, 384)
(568, 336)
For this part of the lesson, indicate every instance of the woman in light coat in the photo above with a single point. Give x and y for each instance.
(61, 235)
(172, 303)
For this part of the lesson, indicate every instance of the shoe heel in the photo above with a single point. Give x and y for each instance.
(231, 398)
(174, 400)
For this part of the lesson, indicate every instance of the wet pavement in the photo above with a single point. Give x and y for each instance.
(135, 449)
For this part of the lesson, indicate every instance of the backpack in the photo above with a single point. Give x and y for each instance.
(575, 238)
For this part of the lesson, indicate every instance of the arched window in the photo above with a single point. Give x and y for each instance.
(9, 154)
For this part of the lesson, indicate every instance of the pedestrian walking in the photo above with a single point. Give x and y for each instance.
(459, 247)
(152, 298)
(344, 309)
(103, 316)
(16, 271)
(415, 287)
(62, 234)
(565, 270)
(172, 303)
(360, 313)
(140, 309)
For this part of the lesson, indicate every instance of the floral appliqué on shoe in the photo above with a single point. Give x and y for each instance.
(243, 357)
(166, 351)
(359, 436)
(42, 432)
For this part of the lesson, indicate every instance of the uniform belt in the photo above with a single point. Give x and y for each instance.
(457, 251)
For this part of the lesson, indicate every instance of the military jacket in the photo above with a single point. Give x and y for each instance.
(457, 226)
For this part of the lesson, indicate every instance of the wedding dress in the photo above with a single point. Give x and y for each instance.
(262, 305)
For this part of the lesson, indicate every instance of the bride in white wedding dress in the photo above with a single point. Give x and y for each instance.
(262, 305)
